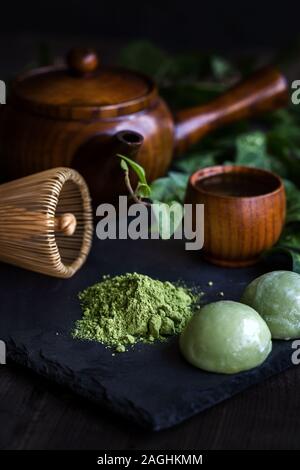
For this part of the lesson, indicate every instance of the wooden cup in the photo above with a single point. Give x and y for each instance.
(237, 229)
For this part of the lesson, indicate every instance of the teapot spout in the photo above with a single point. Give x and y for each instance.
(265, 91)
(127, 143)
(97, 162)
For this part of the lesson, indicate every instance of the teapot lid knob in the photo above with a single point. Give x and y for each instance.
(82, 61)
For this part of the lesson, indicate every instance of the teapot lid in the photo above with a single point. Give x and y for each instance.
(82, 89)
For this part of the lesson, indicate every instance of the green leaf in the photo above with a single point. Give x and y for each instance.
(252, 150)
(170, 188)
(293, 202)
(186, 94)
(187, 67)
(138, 169)
(196, 160)
(295, 260)
(124, 165)
(144, 57)
(289, 244)
(293, 255)
(168, 218)
(290, 237)
(222, 68)
(284, 141)
(143, 190)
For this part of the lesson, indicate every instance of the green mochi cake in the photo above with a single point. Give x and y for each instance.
(226, 337)
(276, 297)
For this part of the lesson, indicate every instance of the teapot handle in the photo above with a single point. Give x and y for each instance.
(264, 91)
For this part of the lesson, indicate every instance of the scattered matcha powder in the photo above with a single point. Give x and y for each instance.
(130, 308)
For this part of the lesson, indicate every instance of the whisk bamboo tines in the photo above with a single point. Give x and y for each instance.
(46, 222)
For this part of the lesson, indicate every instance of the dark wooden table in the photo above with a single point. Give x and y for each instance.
(36, 414)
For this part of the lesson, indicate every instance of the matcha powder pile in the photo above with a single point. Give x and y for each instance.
(126, 309)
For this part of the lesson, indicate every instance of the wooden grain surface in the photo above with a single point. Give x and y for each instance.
(53, 112)
(238, 229)
(36, 414)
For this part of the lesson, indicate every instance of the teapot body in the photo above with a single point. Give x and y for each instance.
(32, 143)
(73, 114)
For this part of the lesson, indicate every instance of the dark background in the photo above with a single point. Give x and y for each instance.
(219, 26)
(175, 23)
(35, 414)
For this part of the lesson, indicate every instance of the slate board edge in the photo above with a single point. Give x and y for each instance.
(18, 355)
(224, 391)
(127, 409)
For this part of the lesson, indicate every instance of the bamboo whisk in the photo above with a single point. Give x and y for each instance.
(46, 222)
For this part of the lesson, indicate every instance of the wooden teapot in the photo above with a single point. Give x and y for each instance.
(81, 114)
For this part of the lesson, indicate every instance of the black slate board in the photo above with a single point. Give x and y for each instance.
(152, 384)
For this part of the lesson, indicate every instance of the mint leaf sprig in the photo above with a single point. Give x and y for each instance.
(168, 216)
(142, 190)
